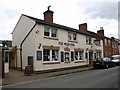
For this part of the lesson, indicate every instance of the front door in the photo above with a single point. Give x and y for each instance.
(66, 56)
(30, 61)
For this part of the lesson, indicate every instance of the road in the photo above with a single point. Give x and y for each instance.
(95, 78)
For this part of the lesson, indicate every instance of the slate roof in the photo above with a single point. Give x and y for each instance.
(40, 21)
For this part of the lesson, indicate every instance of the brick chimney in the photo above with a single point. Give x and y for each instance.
(48, 15)
(83, 27)
(101, 31)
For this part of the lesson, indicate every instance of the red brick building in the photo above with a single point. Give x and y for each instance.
(110, 45)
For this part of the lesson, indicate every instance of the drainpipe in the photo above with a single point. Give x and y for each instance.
(23, 42)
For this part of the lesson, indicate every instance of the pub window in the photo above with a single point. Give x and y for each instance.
(47, 31)
(81, 55)
(50, 32)
(54, 55)
(72, 36)
(88, 40)
(39, 55)
(54, 32)
(78, 55)
(69, 36)
(46, 55)
(50, 55)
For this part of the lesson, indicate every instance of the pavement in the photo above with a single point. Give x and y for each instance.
(18, 77)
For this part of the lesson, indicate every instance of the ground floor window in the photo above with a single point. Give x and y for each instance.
(78, 55)
(54, 55)
(50, 55)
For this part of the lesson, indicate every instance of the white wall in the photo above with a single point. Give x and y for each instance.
(63, 37)
(28, 49)
(21, 29)
(30, 45)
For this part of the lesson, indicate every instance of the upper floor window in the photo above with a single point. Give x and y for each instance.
(50, 32)
(54, 32)
(47, 31)
(97, 42)
(112, 44)
(88, 40)
(72, 36)
(105, 42)
(109, 42)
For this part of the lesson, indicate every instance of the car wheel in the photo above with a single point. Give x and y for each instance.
(106, 66)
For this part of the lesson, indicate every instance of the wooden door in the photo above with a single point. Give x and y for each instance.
(30, 61)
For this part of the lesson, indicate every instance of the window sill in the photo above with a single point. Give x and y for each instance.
(73, 41)
(67, 61)
(51, 38)
(97, 44)
(51, 62)
(79, 61)
(88, 44)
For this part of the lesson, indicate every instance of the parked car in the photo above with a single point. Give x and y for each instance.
(116, 59)
(103, 63)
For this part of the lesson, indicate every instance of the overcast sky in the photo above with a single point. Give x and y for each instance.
(71, 13)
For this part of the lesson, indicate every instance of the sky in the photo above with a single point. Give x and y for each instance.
(71, 13)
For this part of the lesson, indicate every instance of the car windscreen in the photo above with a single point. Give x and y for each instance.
(113, 58)
(105, 59)
(98, 59)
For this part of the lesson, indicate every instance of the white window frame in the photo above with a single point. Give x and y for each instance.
(79, 55)
(71, 36)
(50, 31)
(51, 55)
(88, 40)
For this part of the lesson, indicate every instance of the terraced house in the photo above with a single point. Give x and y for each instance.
(46, 45)
(110, 45)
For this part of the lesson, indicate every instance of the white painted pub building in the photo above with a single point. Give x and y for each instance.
(45, 45)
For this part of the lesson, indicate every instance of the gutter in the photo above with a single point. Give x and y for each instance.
(23, 42)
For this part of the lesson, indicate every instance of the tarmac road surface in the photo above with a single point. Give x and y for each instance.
(95, 78)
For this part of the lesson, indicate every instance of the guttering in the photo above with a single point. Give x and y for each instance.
(23, 42)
